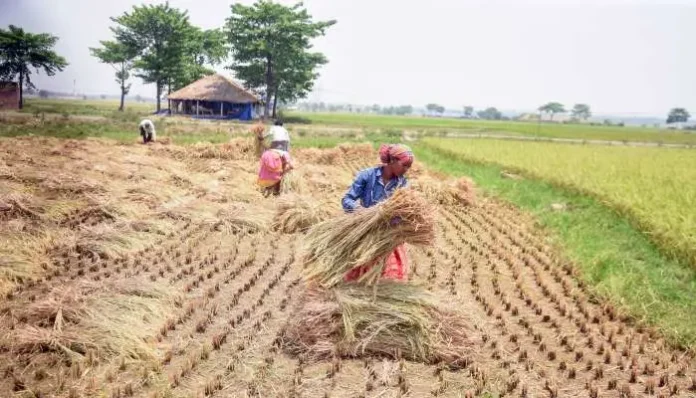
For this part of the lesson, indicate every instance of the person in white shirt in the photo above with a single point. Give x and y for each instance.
(147, 131)
(279, 136)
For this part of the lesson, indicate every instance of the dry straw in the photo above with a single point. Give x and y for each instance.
(338, 245)
(239, 218)
(389, 319)
(448, 193)
(296, 213)
(257, 132)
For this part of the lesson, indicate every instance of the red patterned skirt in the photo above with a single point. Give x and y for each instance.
(395, 267)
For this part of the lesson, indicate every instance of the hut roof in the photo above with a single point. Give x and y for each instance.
(215, 88)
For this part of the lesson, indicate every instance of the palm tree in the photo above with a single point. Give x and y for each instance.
(20, 51)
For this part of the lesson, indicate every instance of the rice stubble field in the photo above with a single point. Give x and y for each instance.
(157, 271)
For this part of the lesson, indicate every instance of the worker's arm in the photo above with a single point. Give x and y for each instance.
(355, 192)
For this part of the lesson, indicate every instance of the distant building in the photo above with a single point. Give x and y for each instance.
(9, 95)
(215, 97)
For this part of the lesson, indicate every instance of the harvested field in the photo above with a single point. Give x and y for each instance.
(156, 271)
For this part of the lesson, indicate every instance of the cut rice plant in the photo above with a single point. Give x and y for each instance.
(338, 245)
(236, 149)
(259, 144)
(296, 213)
(447, 192)
(389, 319)
(239, 218)
(102, 318)
(292, 183)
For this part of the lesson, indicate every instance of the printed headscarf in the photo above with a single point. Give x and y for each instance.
(389, 152)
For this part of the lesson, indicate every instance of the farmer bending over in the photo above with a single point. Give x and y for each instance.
(374, 185)
(275, 162)
(147, 131)
(278, 134)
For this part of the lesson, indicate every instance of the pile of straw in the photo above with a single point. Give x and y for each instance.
(448, 193)
(239, 148)
(390, 319)
(296, 213)
(237, 218)
(336, 246)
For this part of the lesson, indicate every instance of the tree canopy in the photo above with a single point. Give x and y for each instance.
(270, 46)
(552, 108)
(170, 51)
(435, 108)
(21, 51)
(581, 111)
(490, 113)
(678, 115)
(468, 111)
(120, 57)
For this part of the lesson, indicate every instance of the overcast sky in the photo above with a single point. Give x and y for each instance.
(621, 57)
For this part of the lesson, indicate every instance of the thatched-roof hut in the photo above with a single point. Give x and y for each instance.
(214, 96)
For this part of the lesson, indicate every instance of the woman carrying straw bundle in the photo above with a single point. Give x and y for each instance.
(374, 185)
(274, 164)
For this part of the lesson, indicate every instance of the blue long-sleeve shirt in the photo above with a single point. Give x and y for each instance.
(369, 189)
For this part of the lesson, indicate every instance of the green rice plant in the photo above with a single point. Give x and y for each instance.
(654, 186)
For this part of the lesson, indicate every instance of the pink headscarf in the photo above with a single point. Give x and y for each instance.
(390, 152)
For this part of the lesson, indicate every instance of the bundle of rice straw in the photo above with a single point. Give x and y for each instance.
(257, 131)
(389, 319)
(291, 183)
(238, 218)
(296, 213)
(336, 246)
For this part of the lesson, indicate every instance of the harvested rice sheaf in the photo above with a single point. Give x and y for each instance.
(389, 319)
(338, 245)
(296, 213)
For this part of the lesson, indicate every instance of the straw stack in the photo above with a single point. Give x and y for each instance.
(389, 319)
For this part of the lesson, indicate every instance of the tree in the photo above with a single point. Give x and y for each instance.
(552, 108)
(20, 51)
(295, 77)
(581, 111)
(678, 115)
(270, 45)
(170, 52)
(490, 113)
(120, 57)
(201, 48)
(435, 108)
(468, 112)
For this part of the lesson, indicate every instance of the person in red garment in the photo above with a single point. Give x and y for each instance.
(374, 185)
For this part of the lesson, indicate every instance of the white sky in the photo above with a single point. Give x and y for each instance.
(622, 57)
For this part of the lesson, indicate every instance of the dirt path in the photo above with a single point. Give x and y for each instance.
(229, 295)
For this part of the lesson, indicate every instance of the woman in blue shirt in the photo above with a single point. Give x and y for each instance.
(374, 185)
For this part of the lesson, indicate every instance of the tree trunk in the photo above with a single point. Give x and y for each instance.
(169, 92)
(21, 90)
(269, 84)
(275, 102)
(159, 93)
